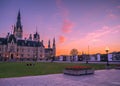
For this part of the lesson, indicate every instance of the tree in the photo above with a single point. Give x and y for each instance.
(74, 52)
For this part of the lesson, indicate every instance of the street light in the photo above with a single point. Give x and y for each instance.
(35, 58)
(107, 50)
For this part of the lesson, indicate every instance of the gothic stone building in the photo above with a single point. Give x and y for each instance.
(13, 46)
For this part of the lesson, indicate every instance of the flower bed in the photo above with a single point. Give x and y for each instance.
(78, 70)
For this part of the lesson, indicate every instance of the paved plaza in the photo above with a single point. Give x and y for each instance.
(100, 78)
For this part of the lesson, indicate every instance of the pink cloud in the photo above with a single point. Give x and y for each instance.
(96, 37)
(116, 29)
(104, 31)
(98, 33)
(62, 39)
(118, 6)
(67, 26)
(112, 16)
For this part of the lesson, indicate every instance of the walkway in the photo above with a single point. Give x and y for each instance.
(100, 78)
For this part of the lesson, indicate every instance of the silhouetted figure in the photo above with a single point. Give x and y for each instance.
(87, 62)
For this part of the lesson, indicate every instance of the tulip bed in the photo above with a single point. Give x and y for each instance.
(78, 70)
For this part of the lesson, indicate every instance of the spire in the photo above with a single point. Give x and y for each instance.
(49, 44)
(18, 23)
(19, 17)
(18, 31)
(36, 36)
(12, 30)
(30, 37)
(54, 47)
(53, 42)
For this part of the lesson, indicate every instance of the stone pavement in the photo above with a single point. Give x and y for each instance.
(100, 78)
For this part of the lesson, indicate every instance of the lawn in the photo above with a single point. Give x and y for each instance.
(18, 69)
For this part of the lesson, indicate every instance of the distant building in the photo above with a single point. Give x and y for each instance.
(115, 56)
(110, 57)
(95, 57)
(13, 46)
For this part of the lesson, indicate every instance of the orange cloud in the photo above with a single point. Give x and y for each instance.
(62, 39)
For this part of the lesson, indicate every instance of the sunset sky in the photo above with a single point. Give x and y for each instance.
(74, 23)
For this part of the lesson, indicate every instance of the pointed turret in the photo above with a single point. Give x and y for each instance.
(30, 37)
(53, 42)
(49, 44)
(36, 36)
(54, 47)
(18, 23)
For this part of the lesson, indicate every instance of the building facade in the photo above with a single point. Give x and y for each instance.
(13, 46)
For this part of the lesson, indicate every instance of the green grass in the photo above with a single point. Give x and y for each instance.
(18, 69)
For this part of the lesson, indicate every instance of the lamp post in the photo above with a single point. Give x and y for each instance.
(107, 50)
(35, 58)
(7, 56)
(86, 56)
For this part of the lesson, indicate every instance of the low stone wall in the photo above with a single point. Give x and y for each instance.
(79, 72)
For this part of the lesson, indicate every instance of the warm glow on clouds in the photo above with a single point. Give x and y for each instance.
(62, 39)
(67, 26)
(62, 51)
(73, 23)
(112, 16)
(105, 30)
(95, 41)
